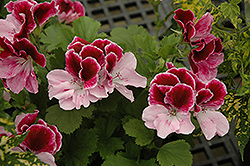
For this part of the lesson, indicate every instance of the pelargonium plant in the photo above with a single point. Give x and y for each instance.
(122, 98)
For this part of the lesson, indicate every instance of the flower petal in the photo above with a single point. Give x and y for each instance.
(113, 47)
(166, 124)
(24, 121)
(181, 97)
(183, 16)
(157, 94)
(184, 76)
(43, 11)
(89, 71)
(73, 63)
(40, 139)
(168, 79)
(94, 52)
(213, 122)
(47, 158)
(125, 92)
(219, 92)
(203, 96)
(100, 43)
(150, 113)
(186, 126)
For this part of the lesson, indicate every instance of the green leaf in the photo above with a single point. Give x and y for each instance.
(56, 60)
(231, 11)
(86, 28)
(65, 35)
(106, 126)
(79, 146)
(147, 43)
(136, 128)
(120, 160)
(167, 46)
(67, 121)
(245, 87)
(124, 37)
(57, 35)
(242, 130)
(108, 147)
(247, 11)
(175, 153)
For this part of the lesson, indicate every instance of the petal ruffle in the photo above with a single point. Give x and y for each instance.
(180, 97)
(212, 123)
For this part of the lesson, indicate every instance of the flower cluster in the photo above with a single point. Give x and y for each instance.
(92, 71)
(178, 93)
(207, 55)
(42, 139)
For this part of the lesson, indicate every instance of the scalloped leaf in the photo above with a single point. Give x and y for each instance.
(175, 153)
(67, 121)
(136, 128)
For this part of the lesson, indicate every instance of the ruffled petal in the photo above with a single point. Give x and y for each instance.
(94, 52)
(40, 139)
(219, 92)
(150, 113)
(47, 158)
(212, 123)
(203, 96)
(166, 125)
(43, 11)
(165, 79)
(24, 121)
(113, 47)
(125, 92)
(203, 26)
(157, 94)
(183, 16)
(89, 72)
(73, 63)
(184, 76)
(181, 97)
(186, 126)
(100, 43)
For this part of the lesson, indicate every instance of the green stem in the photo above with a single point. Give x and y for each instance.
(223, 31)
(245, 28)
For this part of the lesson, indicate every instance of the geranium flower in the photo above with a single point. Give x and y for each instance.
(205, 59)
(194, 32)
(16, 64)
(119, 69)
(42, 139)
(208, 100)
(21, 22)
(3, 132)
(69, 11)
(170, 100)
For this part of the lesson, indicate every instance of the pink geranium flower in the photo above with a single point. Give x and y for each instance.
(42, 139)
(92, 71)
(16, 64)
(170, 100)
(205, 59)
(21, 22)
(208, 100)
(69, 11)
(194, 32)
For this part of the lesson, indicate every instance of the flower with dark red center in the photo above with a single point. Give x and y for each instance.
(205, 59)
(194, 32)
(93, 70)
(42, 139)
(208, 100)
(16, 64)
(69, 11)
(23, 16)
(171, 97)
